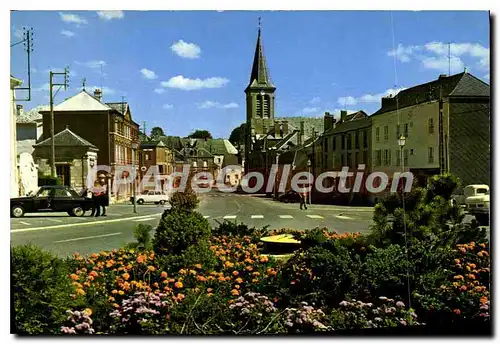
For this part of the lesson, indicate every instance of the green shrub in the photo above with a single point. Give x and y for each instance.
(231, 228)
(178, 229)
(41, 290)
(49, 180)
(187, 201)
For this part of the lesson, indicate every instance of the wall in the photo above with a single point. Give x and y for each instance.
(14, 174)
(469, 142)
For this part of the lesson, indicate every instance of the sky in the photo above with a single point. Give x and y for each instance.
(188, 70)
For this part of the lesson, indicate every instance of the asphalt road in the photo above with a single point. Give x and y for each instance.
(64, 235)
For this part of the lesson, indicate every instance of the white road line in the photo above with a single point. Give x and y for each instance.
(81, 218)
(315, 216)
(229, 217)
(206, 216)
(89, 237)
(148, 219)
(25, 223)
(257, 216)
(286, 216)
(82, 224)
(54, 220)
(343, 217)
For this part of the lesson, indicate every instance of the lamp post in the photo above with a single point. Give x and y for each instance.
(402, 143)
(134, 148)
(309, 167)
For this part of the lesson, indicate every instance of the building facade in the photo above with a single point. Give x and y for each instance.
(446, 124)
(109, 126)
(14, 174)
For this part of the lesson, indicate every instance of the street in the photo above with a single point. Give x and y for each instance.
(64, 235)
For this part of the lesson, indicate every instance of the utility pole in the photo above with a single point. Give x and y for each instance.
(51, 97)
(28, 44)
(144, 128)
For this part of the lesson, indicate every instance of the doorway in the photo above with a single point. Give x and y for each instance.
(62, 172)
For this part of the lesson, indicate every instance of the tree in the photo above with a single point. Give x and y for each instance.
(156, 132)
(237, 136)
(200, 134)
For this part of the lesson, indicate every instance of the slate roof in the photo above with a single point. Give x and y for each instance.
(121, 107)
(150, 144)
(67, 138)
(462, 84)
(210, 146)
(259, 77)
(81, 101)
(309, 123)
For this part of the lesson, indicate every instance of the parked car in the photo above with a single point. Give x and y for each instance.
(477, 202)
(289, 197)
(156, 197)
(51, 198)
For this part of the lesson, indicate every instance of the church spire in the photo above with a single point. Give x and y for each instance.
(260, 74)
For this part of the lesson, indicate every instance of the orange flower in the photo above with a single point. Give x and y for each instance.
(156, 285)
(121, 292)
(151, 268)
(221, 279)
(209, 290)
(180, 297)
(471, 276)
(239, 280)
(114, 291)
(255, 280)
(126, 276)
(249, 268)
(80, 291)
(235, 292)
(460, 277)
(228, 264)
(198, 266)
(74, 277)
(163, 274)
(264, 259)
(483, 299)
(201, 278)
(140, 259)
(456, 311)
(256, 273)
(90, 278)
(116, 305)
(178, 285)
(88, 311)
(111, 298)
(209, 294)
(237, 286)
(235, 273)
(463, 288)
(192, 272)
(93, 273)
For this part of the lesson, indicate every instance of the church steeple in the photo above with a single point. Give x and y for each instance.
(259, 78)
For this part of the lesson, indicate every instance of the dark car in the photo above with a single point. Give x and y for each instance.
(289, 197)
(51, 198)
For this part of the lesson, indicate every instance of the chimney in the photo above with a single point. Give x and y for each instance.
(277, 126)
(343, 114)
(301, 132)
(98, 94)
(442, 76)
(328, 121)
(285, 128)
(19, 110)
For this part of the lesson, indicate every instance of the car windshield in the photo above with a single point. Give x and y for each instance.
(43, 192)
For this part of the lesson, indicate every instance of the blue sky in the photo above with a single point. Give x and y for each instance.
(188, 70)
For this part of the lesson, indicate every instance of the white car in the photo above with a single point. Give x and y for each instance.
(478, 203)
(156, 197)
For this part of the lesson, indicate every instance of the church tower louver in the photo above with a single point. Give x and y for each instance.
(259, 99)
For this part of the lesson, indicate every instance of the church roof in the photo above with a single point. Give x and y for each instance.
(260, 74)
(81, 101)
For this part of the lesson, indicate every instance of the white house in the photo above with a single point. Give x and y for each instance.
(14, 176)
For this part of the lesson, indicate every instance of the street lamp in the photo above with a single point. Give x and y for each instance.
(205, 164)
(309, 168)
(134, 148)
(402, 143)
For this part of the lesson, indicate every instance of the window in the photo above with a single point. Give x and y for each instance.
(349, 159)
(431, 155)
(342, 160)
(386, 133)
(398, 157)
(325, 142)
(43, 193)
(349, 141)
(342, 138)
(387, 157)
(334, 140)
(62, 193)
(406, 130)
(377, 134)
(356, 160)
(365, 139)
(356, 139)
(431, 125)
(378, 157)
(146, 156)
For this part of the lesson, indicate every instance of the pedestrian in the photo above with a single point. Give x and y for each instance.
(96, 207)
(303, 198)
(104, 196)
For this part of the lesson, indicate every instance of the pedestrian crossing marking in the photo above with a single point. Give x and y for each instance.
(206, 216)
(24, 223)
(148, 219)
(315, 216)
(257, 216)
(343, 217)
(229, 217)
(54, 220)
(286, 216)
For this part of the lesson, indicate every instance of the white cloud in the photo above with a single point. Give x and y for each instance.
(94, 64)
(310, 109)
(67, 33)
(444, 64)
(43, 88)
(186, 50)
(110, 15)
(73, 18)
(403, 53)
(167, 106)
(18, 33)
(437, 55)
(148, 74)
(211, 104)
(368, 98)
(188, 84)
(72, 73)
(486, 77)
(160, 90)
(315, 100)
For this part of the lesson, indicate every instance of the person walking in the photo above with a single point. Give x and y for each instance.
(303, 200)
(104, 196)
(96, 193)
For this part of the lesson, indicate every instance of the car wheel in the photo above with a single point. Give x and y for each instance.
(77, 211)
(140, 201)
(162, 202)
(17, 211)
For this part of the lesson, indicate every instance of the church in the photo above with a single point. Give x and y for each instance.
(274, 140)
